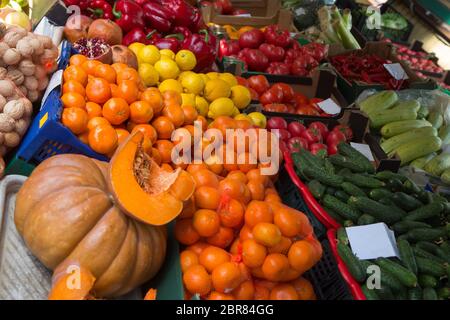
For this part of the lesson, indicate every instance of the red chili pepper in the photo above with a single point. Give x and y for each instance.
(158, 16)
(100, 9)
(139, 35)
(129, 15)
(204, 46)
(281, 38)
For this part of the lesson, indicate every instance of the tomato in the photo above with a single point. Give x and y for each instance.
(276, 123)
(318, 149)
(295, 144)
(276, 107)
(259, 83)
(346, 130)
(283, 134)
(307, 111)
(300, 100)
(312, 135)
(271, 96)
(296, 128)
(288, 92)
(333, 139)
(321, 127)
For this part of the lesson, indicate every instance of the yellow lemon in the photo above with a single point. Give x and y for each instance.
(244, 117)
(148, 74)
(215, 89)
(170, 84)
(221, 107)
(167, 69)
(135, 47)
(235, 112)
(202, 106)
(241, 96)
(188, 99)
(229, 78)
(205, 77)
(193, 83)
(149, 54)
(167, 53)
(258, 119)
(213, 75)
(183, 74)
(186, 60)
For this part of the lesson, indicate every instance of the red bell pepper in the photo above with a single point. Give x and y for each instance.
(228, 47)
(158, 16)
(100, 9)
(182, 12)
(171, 42)
(281, 38)
(185, 32)
(204, 46)
(197, 21)
(139, 35)
(272, 52)
(128, 15)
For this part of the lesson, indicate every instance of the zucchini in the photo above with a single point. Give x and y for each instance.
(316, 189)
(343, 209)
(415, 294)
(341, 236)
(417, 148)
(333, 214)
(386, 175)
(425, 234)
(444, 134)
(438, 164)
(444, 293)
(357, 157)
(436, 119)
(405, 226)
(445, 176)
(380, 193)
(395, 128)
(341, 195)
(410, 187)
(423, 113)
(324, 177)
(425, 212)
(407, 256)
(407, 105)
(429, 294)
(421, 162)
(405, 276)
(366, 219)
(425, 280)
(405, 201)
(340, 160)
(352, 262)
(364, 181)
(379, 101)
(380, 118)
(430, 267)
(379, 211)
(370, 294)
(396, 141)
(352, 190)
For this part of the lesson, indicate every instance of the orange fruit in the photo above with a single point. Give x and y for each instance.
(302, 256)
(253, 253)
(157, 158)
(246, 233)
(275, 266)
(116, 111)
(267, 234)
(272, 198)
(283, 291)
(232, 214)
(166, 167)
(231, 187)
(90, 65)
(239, 175)
(190, 114)
(257, 189)
(75, 119)
(148, 131)
(197, 280)
(214, 164)
(222, 239)
(282, 247)
(188, 206)
(93, 110)
(128, 74)
(203, 122)
(247, 162)
(119, 67)
(289, 221)
(114, 90)
(304, 289)
(77, 74)
(226, 277)
(122, 134)
(245, 291)
(198, 247)
(194, 167)
(175, 114)
(171, 97)
(212, 257)
(185, 233)
(77, 60)
(154, 98)
(261, 292)
(164, 127)
(256, 212)
(128, 90)
(141, 112)
(204, 177)
(74, 86)
(291, 274)
(164, 148)
(97, 121)
(103, 139)
(105, 71)
(207, 197)
(206, 222)
(188, 259)
(220, 296)
(73, 100)
(255, 174)
(98, 90)
(84, 137)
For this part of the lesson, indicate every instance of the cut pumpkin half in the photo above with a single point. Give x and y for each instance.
(142, 189)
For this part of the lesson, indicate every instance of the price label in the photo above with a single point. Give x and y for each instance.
(329, 106)
(244, 15)
(396, 70)
(364, 149)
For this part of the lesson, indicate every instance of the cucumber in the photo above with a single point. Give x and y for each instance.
(405, 226)
(425, 196)
(410, 187)
(366, 219)
(356, 157)
(333, 214)
(402, 295)
(407, 256)
(379, 211)
(394, 142)
(425, 234)
(429, 294)
(386, 175)
(423, 113)
(395, 128)
(341, 236)
(341, 195)
(445, 246)
(445, 176)
(344, 171)
(388, 279)
(352, 262)
(388, 202)
(405, 276)
(348, 223)
(444, 134)
(438, 164)
(425, 212)
(316, 189)
(434, 249)
(331, 191)
(364, 181)
(380, 193)
(426, 280)
(436, 119)
(324, 177)
(415, 294)
(385, 293)
(430, 267)
(343, 209)
(417, 148)
(444, 293)
(419, 252)
(394, 185)
(352, 190)
(380, 118)
(405, 201)
(340, 160)
(328, 166)
(421, 162)
(379, 101)
(370, 294)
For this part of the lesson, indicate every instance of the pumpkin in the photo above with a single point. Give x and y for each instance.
(73, 211)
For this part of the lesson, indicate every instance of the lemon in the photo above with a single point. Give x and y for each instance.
(258, 119)
(135, 47)
(148, 74)
(202, 106)
(167, 69)
(236, 112)
(215, 89)
(213, 75)
(205, 77)
(183, 74)
(149, 54)
(229, 78)
(221, 107)
(244, 117)
(193, 83)
(241, 96)
(167, 53)
(186, 60)
(188, 99)
(170, 84)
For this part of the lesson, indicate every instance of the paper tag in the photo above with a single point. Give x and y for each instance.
(300, 11)
(244, 15)
(364, 149)
(329, 106)
(396, 70)
(55, 81)
(372, 241)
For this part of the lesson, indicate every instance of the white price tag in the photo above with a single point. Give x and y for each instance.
(55, 81)
(329, 106)
(372, 241)
(244, 15)
(364, 149)
(396, 70)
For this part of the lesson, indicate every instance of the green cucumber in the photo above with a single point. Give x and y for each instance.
(405, 276)
(425, 196)
(316, 189)
(417, 148)
(344, 171)
(343, 209)
(445, 176)
(356, 157)
(429, 294)
(405, 226)
(395, 128)
(407, 255)
(410, 187)
(352, 262)
(405, 201)
(324, 177)
(438, 164)
(366, 219)
(434, 249)
(341, 236)
(436, 119)
(329, 167)
(394, 185)
(430, 267)
(444, 293)
(370, 294)
(425, 280)
(364, 181)
(415, 294)
(394, 142)
(379, 211)
(388, 279)
(419, 252)
(333, 214)
(425, 212)
(330, 190)
(380, 193)
(425, 234)
(348, 223)
(352, 190)
(385, 293)
(386, 175)
(445, 246)
(340, 160)
(388, 202)
(421, 162)
(341, 195)
(402, 295)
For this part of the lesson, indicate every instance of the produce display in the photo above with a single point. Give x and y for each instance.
(418, 60)
(224, 7)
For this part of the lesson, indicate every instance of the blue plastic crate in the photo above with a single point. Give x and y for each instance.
(47, 136)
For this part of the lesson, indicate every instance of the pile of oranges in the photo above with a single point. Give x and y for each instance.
(104, 103)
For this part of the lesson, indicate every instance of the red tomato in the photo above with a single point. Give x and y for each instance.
(276, 107)
(307, 111)
(271, 96)
(300, 100)
(321, 127)
(288, 92)
(242, 81)
(259, 83)
(254, 94)
(346, 130)
(333, 139)
(295, 144)
(296, 128)
(312, 135)
(318, 149)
